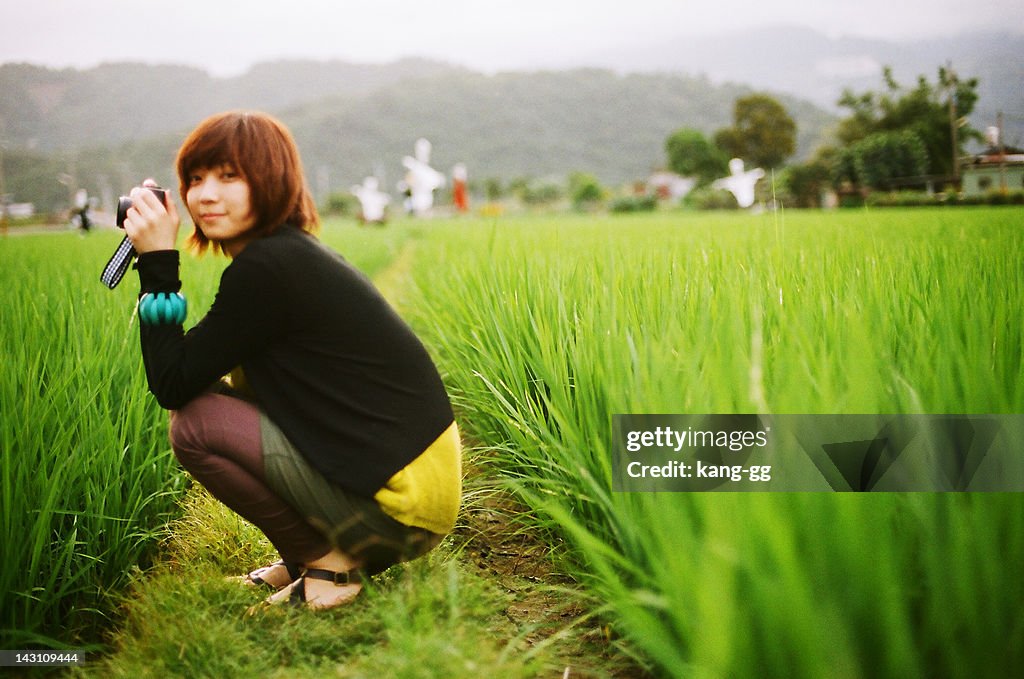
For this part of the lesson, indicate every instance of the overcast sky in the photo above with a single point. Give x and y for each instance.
(227, 36)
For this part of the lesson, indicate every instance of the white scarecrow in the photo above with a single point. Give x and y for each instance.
(421, 180)
(372, 200)
(740, 182)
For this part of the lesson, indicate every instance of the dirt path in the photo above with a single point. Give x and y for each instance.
(395, 278)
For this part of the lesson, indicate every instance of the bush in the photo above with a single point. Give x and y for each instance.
(804, 184)
(950, 197)
(634, 204)
(997, 197)
(585, 190)
(884, 156)
(540, 193)
(902, 199)
(707, 198)
(340, 205)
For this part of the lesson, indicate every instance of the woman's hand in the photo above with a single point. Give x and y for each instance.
(150, 224)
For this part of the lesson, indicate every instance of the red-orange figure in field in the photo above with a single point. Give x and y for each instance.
(460, 193)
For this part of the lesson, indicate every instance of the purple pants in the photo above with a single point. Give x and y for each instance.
(216, 437)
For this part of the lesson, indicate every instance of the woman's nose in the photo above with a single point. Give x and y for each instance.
(208, 191)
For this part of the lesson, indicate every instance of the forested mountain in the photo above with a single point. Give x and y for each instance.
(49, 109)
(108, 127)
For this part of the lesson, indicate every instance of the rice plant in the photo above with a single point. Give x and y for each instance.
(85, 470)
(545, 328)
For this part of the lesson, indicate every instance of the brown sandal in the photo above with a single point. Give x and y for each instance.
(297, 597)
(294, 572)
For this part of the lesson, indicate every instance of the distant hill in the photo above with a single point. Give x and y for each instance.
(525, 124)
(49, 109)
(114, 124)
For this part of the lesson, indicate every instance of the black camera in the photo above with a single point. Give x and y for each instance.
(124, 203)
(114, 271)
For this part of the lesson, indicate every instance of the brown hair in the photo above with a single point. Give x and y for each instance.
(263, 152)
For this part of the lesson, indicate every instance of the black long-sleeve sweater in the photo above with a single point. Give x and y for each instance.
(327, 358)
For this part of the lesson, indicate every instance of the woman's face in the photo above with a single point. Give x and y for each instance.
(218, 198)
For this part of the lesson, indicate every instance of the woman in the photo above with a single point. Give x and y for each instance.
(333, 433)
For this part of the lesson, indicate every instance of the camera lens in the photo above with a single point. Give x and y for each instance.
(124, 203)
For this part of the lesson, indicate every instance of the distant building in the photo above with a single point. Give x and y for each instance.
(993, 169)
(17, 210)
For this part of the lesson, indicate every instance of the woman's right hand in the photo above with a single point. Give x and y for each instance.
(149, 223)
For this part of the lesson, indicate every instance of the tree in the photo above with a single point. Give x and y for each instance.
(935, 113)
(584, 190)
(493, 189)
(692, 155)
(763, 133)
(884, 156)
(806, 182)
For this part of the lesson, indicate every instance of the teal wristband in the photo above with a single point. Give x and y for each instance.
(163, 308)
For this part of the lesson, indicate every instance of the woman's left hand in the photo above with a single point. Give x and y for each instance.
(151, 224)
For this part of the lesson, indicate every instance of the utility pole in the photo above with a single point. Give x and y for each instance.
(3, 186)
(1002, 153)
(3, 195)
(954, 125)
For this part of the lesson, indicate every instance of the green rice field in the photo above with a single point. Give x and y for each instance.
(544, 326)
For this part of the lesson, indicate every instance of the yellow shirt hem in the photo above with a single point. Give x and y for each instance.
(426, 493)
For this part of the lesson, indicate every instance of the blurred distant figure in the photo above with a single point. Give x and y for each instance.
(80, 213)
(372, 199)
(403, 188)
(740, 182)
(460, 193)
(669, 185)
(421, 179)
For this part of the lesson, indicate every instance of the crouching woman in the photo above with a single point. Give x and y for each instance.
(335, 436)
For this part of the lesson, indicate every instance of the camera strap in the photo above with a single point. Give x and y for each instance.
(115, 269)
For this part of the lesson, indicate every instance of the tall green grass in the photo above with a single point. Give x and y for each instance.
(87, 478)
(545, 328)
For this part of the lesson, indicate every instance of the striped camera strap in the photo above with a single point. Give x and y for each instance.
(115, 269)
